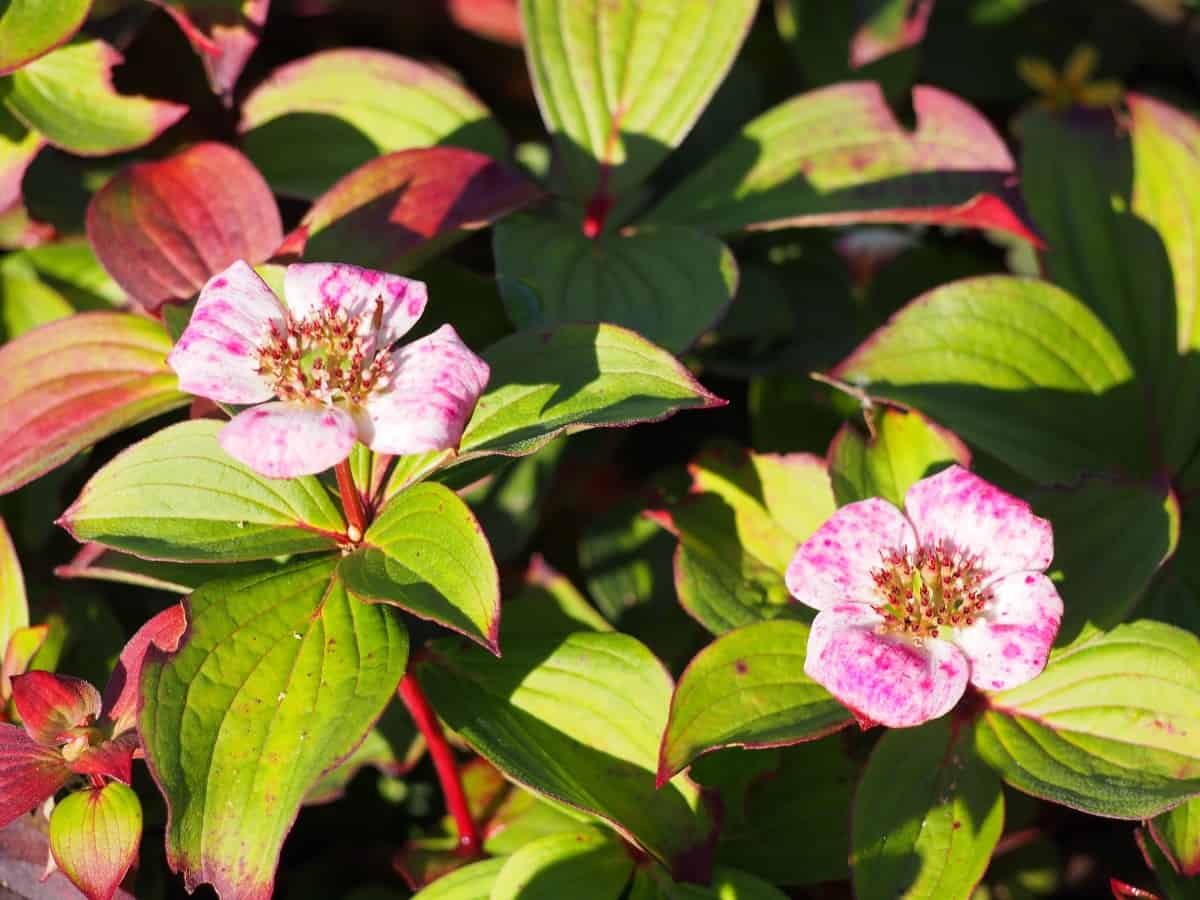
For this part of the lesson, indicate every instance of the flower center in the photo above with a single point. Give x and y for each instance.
(325, 357)
(924, 591)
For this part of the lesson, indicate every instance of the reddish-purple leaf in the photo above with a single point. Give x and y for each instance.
(51, 706)
(837, 156)
(223, 33)
(94, 835)
(29, 773)
(71, 382)
(886, 26)
(121, 694)
(112, 759)
(1124, 891)
(162, 229)
(401, 208)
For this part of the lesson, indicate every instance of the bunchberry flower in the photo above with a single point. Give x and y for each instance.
(327, 362)
(914, 604)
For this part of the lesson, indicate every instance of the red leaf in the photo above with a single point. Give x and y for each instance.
(223, 35)
(69, 383)
(52, 705)
(400, 208)
(162, 229)
(29, 773)
(121, 694)
(112, 759)
(838, 156)
(1123, 891)
(498, 20)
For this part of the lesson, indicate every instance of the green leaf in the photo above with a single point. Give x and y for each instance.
(14, 607)
(906, 447)
(473, 882)
(178, 495)
(738, 529)
(654, 883)
(72, 382)
(1110, 538)
(1018, 367)
(1177, 833)
(29, 28)
(1166, 196)
(551, 272)
(620, 84)
(626, 560)
(588, 376)
(748, 689)
(1077, 176)
(277, 679)
(926, 816)
(71, 269)
(426, 554)
(25, 300)
(773, 832)
(1111, 727)
(392, 747)
(585, 864)
(509, 503)
(99, 563)
(837, 156)
(1172, 885)
(94, 836)
(349, 105)
(18, 146)
(575, 717)
(68, 97)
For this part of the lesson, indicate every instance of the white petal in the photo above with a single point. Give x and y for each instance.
(217, 354)
(312, 286)
(285, 440)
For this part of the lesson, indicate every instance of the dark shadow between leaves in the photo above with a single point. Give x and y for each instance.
(472, 691)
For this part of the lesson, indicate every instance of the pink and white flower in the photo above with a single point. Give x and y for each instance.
(913, 605)
(327, 363)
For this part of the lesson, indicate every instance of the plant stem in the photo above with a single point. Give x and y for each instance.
(351, 502)
(469, 842)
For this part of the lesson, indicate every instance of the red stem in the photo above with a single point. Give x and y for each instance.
(351, 502)
(469, 842)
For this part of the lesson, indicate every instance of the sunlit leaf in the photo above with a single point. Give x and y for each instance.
(319, 117)
(68, 96)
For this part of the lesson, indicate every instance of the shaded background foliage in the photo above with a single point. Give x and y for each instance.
(804, 299)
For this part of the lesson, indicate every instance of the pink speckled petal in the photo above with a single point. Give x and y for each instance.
(433, 391)
(309, 286)
(960, 507)
(1010, 645)
(834, 565)
(216, 356)
(285, 440)
(885, 679)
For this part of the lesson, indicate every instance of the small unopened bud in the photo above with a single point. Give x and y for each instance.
(354, 534)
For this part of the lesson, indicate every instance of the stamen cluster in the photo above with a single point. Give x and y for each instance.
(928, 589)
(326, 357)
